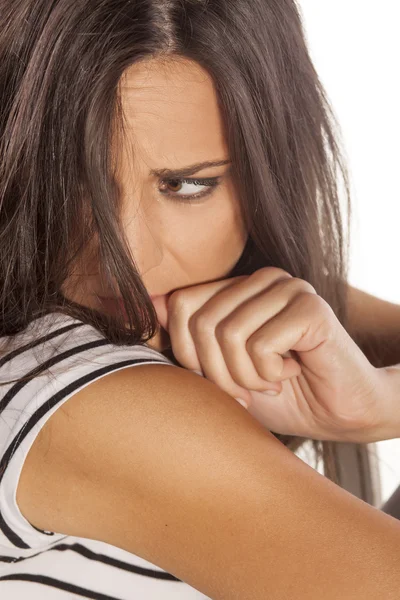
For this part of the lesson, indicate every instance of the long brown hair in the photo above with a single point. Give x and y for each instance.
(60, 67)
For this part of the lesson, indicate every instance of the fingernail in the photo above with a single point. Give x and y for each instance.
(271, 392)
(242, 402)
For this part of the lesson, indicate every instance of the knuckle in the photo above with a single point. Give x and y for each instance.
(316, 305)
(270, 274)
(177, 301)
(309, 300)
(200, 323)
(258, 347)
(227, 333)
(296, 284)
(304, 285)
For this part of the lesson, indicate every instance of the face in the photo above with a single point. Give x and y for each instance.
(183, 230)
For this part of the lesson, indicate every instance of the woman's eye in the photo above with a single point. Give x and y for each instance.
(188, 189)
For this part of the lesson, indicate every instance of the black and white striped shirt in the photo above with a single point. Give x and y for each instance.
(47, 565)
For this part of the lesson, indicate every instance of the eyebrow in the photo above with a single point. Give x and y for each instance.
(189, 170)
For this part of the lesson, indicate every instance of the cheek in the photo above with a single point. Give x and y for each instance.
(210, 247)
(227, 232)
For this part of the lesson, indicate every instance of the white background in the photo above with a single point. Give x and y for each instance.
(355, 47)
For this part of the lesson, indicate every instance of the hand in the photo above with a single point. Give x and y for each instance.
(272, 331)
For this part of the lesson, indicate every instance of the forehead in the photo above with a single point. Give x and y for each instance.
(171, 112)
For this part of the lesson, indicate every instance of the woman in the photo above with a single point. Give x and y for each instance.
(163, 161)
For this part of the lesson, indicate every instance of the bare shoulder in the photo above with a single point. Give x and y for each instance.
(159, 461)
(149, 432)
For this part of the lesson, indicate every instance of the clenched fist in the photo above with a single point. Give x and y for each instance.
(271, 331)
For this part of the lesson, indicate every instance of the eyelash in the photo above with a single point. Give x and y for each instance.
(211, 183)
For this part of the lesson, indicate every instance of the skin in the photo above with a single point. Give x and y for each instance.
(374, 323)
(174, 248)
(172, 120)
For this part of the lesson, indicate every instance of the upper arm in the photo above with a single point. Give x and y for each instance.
(370, 314)
(162, 463)
(374, 324)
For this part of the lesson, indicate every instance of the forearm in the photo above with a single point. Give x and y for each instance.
(374, 324)
(391, 405)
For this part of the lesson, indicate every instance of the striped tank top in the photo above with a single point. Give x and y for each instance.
(48, 565)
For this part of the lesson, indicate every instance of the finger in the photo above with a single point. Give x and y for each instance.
(202, 326)
(234, 332)
(182, 304)
(292, 328)
(215, 296)
(214, 369)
